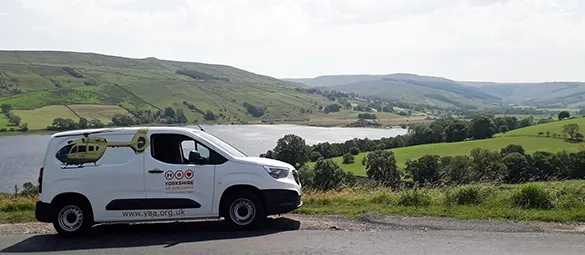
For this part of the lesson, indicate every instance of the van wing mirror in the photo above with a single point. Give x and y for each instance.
(195, 157)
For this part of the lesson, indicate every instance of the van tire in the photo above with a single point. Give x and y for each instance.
(244, 210)
(73, 217)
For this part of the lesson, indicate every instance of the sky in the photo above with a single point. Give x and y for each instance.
(472, 40)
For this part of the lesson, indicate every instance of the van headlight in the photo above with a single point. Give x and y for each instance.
(277, 172)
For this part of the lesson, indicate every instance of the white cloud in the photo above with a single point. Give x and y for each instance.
(501, 40)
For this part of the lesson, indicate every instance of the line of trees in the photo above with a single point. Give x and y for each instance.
(442, 130)
(510, 165)
(13, 119)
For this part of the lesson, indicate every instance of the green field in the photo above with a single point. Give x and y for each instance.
(526, 137)
(104, 113)
(40, 118)
(553, 127)
(3, 121)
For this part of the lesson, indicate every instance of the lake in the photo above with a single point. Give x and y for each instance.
(22, 156)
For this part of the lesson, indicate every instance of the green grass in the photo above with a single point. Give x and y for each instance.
(40, 118)
(495, 203)
(526, 137)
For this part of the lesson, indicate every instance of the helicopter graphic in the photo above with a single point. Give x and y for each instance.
(91, 149)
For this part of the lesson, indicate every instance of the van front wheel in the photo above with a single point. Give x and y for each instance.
(73, 218)
(244, 210)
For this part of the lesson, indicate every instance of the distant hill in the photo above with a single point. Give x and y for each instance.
(35, 80)
(409, 88)
(449, 93)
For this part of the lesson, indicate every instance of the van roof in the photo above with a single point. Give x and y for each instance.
(122, 130)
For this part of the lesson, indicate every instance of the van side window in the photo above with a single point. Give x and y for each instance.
(175, 149)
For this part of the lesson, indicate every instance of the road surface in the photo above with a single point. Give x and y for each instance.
(310, 235)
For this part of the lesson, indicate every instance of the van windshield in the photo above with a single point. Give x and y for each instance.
(233, 151)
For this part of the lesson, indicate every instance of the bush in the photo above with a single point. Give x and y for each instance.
(348, 158)
(354, 151)
(470, 195)
(414, 198)
(306, 176)
(532, 196)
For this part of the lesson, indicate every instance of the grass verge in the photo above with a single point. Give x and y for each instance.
(562, 201)
(551, 202)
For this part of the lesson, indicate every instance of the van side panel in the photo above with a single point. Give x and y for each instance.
(230, 174)
(96, 169)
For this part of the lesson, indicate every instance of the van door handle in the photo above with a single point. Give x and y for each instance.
(155, 171)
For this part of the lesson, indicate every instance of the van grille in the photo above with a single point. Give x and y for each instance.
(296, 176)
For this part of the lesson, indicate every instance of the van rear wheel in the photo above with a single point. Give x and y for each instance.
(73, 217)
(244, 211)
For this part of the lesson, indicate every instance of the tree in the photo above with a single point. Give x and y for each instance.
(169, 112)
(209, 115)
(455, 170)
(96, 123)
(6, 108)
(292, 149)
(123, 120)
(354, 151)
(526, 122)
(571, 129)
(486, 165)
(481, 128)
(83, 123)
(24, 127)
(314, 156)
(518, 168)
(544, 164)
(381, 166)
(456, 131)
(14, 119)
(181, 118)
(328, 175)
(348, 158)
(425, 170)
(564, 115)
(512, 148)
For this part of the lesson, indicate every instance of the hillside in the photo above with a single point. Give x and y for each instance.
(527, 137)
(52, 84)
(408, 88)
(449, 93)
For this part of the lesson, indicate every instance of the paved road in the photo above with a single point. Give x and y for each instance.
(285, 236)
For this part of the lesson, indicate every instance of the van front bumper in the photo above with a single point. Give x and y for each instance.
(280, 201)
(44, 212)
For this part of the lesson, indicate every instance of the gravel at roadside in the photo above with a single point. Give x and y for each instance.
(368, 222)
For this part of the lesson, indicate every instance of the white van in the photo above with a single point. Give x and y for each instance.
(141, 174)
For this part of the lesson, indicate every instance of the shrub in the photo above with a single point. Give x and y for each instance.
(354, 151)
(414, 198)
(532, 196)
(470, 195)
(306, 176)
(348, 158)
